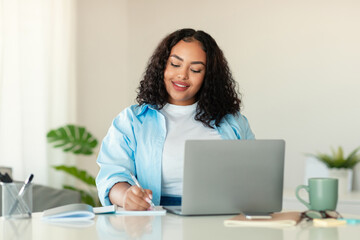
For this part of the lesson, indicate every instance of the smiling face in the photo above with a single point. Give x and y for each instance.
(184, 72)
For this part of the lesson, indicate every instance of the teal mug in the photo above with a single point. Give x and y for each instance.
(323, 194)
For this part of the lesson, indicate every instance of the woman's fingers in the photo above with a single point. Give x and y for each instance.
(136, 199)
(148, 193)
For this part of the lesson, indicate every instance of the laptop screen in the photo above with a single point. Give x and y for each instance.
(233, 176)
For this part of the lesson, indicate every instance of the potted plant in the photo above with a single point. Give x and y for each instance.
(79, 141)
(340, 167)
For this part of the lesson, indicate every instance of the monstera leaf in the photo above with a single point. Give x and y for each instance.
(79, 174)
(85, 196)
(73, 139)
(77, 140)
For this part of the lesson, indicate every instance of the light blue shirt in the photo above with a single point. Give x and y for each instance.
(134, 143)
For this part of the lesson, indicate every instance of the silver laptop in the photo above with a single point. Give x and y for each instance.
(232, 177)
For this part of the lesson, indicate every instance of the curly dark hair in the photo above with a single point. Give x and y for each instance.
(217, 97)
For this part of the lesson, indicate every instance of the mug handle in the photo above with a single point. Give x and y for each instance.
(298, 196)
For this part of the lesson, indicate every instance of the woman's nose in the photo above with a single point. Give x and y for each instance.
(183, 74)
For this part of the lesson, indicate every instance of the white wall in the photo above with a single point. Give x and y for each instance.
(102, 82)
(297, 64)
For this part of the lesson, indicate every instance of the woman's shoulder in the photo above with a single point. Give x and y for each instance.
(240, 124)
(236, 118)
(135, 111)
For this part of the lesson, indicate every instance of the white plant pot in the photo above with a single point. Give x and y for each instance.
(345, 176)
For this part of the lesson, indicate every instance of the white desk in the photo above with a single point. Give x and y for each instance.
(170, 227)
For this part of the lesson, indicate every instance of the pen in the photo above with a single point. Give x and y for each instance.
(139, 186)
(20, 194)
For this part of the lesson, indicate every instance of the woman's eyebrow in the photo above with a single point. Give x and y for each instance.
(179, 58)
(198, 62)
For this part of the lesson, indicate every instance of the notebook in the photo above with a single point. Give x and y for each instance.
(232, 177)
(85, 212)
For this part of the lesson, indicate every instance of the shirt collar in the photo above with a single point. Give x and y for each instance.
(140, 109)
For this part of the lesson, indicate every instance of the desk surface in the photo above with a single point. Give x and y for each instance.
(164, 227)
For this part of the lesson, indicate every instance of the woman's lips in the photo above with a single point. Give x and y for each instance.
(180, 86)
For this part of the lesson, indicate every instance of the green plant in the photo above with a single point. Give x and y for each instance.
(76, 140)
(337, 158)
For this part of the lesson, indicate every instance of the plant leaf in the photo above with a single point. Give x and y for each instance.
(85, 196)
(325, 159)
(337, 159)
(73, 139)
(82, 175)
(352, 159)
(340, 154)
(353, 153)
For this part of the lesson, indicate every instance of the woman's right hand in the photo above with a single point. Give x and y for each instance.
(130, 197)
(136, 200)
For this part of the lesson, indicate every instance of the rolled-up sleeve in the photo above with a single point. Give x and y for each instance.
(116, 156)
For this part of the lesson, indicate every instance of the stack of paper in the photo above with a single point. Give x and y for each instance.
(158, 210)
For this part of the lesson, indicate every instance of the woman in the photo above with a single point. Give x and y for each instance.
(187, 92)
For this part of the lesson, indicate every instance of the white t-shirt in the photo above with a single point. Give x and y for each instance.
(180, 126)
